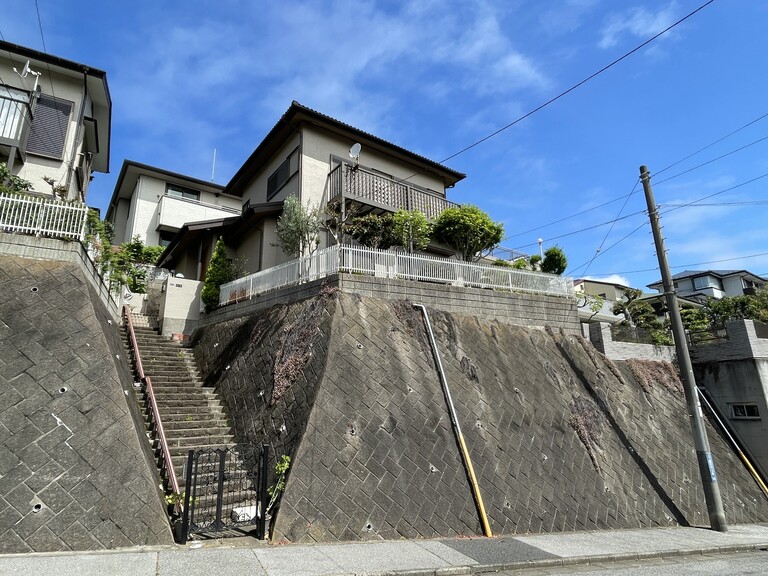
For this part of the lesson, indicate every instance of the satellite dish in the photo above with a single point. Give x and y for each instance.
(354, 152)
(25, 71)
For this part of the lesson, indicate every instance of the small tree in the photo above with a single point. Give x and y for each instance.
(298, 228)
(411, 229)
(126, 261)
(555, 261)
(374, 231)
(219, 272)
(468, 230)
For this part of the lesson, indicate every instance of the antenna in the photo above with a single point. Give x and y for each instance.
(354, 152)
(213, 168)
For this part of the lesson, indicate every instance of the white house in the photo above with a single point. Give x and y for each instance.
(321, 160)
(154, 204)
(55, 120)
(704, 284)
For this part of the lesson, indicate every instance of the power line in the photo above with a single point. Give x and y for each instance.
(748, 124)
(678, 207)
(573, 270)
(587, 229)
(611, 228)
(689, 265)
(577, 85)
(567, 217)
(713, 160)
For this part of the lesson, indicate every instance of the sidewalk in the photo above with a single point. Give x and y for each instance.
(406, 557)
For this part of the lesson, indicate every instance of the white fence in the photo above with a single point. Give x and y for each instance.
(385, 264)
(42, 217)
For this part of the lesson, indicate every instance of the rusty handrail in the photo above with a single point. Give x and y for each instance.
(155, 412)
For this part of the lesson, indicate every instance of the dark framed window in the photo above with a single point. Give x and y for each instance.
(283, 174)
(181, 192)
(745, 412)
(49, 127)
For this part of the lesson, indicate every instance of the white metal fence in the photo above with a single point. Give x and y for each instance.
(42, 217)
(385, 264)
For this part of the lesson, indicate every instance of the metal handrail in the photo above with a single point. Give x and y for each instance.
(155, 412)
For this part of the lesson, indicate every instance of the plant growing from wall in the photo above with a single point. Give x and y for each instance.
(298, 228)
(411, 229)
(468, 230)
(12, 184)
(219, 272)
(274, 491)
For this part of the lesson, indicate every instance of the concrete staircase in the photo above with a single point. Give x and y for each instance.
(192, 415)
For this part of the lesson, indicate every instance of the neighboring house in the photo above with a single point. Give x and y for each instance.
(611, 293)
(701, 285)
(154, 204)
(316, 158)
(587, 291)
(55, 120)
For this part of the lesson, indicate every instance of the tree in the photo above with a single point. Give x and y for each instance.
(298, 228)
(374, 231)
(468, 230)
(748, 306)
(411, 229)
(555, 261)
(219, 272)
(126, 262)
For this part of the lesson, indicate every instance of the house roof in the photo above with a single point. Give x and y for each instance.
(131, 170)
(232, 228)
(95, 83)
(718, 273)
(297, 114)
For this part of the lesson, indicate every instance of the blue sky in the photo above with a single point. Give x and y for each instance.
(438, 75)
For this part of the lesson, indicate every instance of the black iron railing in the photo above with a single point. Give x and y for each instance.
(223, 492)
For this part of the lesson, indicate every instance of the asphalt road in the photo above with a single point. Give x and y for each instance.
(734, 564)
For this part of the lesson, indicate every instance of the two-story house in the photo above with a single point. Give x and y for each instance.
(704, 284)
(154, 204)
(321, 160)
(55, 120)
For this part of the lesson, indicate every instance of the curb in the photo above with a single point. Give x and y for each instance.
(575, 560)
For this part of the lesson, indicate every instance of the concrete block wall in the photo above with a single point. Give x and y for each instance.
(76, 470)
(599, 334)
(522, 309)
(742, 343)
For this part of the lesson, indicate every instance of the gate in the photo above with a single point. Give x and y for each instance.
(222, 493)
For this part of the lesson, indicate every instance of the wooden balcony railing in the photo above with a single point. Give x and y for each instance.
(368, 188)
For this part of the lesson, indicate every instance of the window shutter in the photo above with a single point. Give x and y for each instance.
(49, 127)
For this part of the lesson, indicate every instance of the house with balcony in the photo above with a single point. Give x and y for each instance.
(154, 204)
(324, 162)
(55, 121)
(701, 285)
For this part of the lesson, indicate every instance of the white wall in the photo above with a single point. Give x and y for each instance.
(62, 87)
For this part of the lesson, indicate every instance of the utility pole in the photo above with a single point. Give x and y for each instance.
(703, 454)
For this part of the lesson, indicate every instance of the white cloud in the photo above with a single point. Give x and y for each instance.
(637, 22)
(610, 279)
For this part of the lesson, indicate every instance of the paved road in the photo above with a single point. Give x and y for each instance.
(735, 564)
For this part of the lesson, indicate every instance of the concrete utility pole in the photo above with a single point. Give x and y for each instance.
(703, 454)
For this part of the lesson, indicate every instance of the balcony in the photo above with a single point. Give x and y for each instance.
(173, 212)
(15, 119)
(377, 192)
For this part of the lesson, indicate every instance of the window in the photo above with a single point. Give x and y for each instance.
(49, 127)
(283, 174)
(177, 191)
(744, 412)
(12, 105)
(166, 237)
(703, 282)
